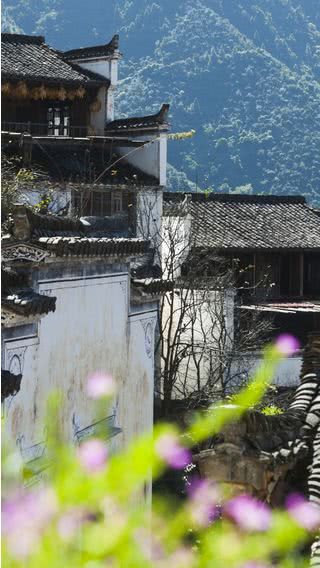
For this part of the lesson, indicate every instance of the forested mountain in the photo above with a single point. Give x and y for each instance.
(245, 74)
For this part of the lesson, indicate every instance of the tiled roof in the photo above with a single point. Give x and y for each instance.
(153, 285)
(88, 247)
(67, 237)
(94, 51)
(29, 58)
(248, 222)
(140, 122)
(10, 384)
(17, 297)
(27, 303)
(53, 225)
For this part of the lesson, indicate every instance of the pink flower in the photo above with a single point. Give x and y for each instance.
(100, 385)
(168, 448)
(204, 499)
(287, 344)
(70, 522)
(248, 513)
(305, 513)
(25, 517)
(93, 455)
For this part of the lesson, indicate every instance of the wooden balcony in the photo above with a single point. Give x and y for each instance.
(44, 129)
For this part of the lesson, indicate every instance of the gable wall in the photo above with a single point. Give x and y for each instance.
(91, 329)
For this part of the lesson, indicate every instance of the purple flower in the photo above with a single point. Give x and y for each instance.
(24, 518)
(168, 448)
(248, 513)
(305, 513)
(100, 385)
(287, 344)
(204, 499)
(93, 455)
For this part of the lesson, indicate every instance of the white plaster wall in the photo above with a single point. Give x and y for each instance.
(176, 230)
(98, 118)
(149, 217)
(136, 402)
(208, 326)
(145, 158)
(107, 67)
(90, 330)
(103, 66)
(287, 373)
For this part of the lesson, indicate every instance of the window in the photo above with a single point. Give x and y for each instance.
(99, 203)
(58, 120)
(116, 202)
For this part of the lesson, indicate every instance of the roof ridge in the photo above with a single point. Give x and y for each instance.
(94, 50)
(38, 40)
(137, 122)
(234, 198)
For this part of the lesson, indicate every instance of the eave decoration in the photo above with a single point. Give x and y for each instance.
(22, 90)
(24, 252)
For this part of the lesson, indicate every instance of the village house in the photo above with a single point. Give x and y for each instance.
(74, 244)
(272, 246)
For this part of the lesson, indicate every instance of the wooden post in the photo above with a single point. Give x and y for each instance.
(301, 274)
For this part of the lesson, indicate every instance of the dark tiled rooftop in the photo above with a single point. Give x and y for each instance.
(88, 247)
(248, 222)
(17, 297)
(27, 303)
(28, 58)
(94, 51)
(10, 384)
(140, 122)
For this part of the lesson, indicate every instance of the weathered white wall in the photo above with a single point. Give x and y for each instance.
(148, 218)
(107, 67)
(206, 318)
(175, 230)
(91, 329)
(145, 158)
(287, 373)
(98, 117)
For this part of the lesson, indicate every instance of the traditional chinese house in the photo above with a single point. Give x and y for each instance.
(272, 245)
(79, 243)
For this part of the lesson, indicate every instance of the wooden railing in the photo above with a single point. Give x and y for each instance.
(42, 129)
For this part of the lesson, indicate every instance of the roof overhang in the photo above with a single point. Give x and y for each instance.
(284, 307)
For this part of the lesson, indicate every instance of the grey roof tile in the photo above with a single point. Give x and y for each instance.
(245, 222)
(29, 58)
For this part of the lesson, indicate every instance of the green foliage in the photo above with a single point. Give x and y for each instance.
(271, 410)
(80, 516)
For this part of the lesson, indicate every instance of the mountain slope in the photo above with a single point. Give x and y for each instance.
(243, 73)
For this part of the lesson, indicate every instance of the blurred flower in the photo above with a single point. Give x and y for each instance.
(168, 448)
(70, 522)
(204, 498)
(253, 564)
(24, 517)
(149, 545)
(249, 513)
(93, 455)
(100, 385)
(182, 558)
(305, 513)
(287, 344)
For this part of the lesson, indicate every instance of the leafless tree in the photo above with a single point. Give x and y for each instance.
(203, 338)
